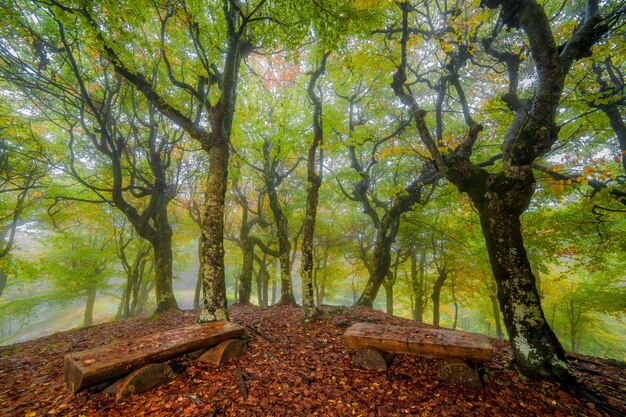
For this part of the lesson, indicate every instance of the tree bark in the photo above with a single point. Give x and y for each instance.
(455, 303)
(247, 267)
(495, 308)
(381, 261)
(272, 180)
(163, 258)
(314, 181)
(213, 282)
(274, 288)
(263, 278)
(417, 284)
(91, 301)
(500, 200)
(436, 295)
(3, 281)
(389, 296)
(619, 127)
(198, 291)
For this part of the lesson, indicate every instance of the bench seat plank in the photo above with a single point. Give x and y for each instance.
(103, 363)
(418, 341)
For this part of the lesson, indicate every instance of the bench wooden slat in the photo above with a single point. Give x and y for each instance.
(434, 342)
(103, 363)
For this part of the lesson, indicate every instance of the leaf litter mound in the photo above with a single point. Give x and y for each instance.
(289, 369)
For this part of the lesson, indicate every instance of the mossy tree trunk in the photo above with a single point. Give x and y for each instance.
(536, 348)
(502, 197)
(272, 181)
(213, 283)
(314, 181)
(442, 275)
(418, 269)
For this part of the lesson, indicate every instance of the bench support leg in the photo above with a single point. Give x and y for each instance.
(458, 371)
(141, 380)
(372, 358)
(223, 352)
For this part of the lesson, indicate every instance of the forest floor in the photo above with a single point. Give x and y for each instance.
(305, 369)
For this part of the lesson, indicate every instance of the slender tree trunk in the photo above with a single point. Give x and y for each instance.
(247, 267)
(141, 287)
(284, 249)
(496, 315)
(3, 281)
(162, 247)
(389, 296)
(274, 291)
(381, 261)
(573, 325)
(436, 295)
(264, 275)
(91, 301)
(316, 285)
(213, 274)
(197, 293)
(455, 303)
(306, 270)
(314, 181)
(142, 291)
(417, 284)
(124, 301)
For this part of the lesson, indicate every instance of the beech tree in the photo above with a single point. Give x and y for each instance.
(500, 196)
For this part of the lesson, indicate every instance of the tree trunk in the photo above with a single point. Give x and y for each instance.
(3, 281)
(316, 286)
(573, 318)
(381, 261)
(389, 296)
(455, 303)
(284, 247)
(245, 278)
(314, 181)
(213, 275)
(436, 295)
(91, 301)
(274, 290)
(536, 349)
(496, 315)
(124, 305)
(198, 291)
(142, 287)
(306, 270)
(162, 247)
(262, 278)
(619, 127)
(417, 284)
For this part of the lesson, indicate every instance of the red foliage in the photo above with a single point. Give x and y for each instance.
(307, 370)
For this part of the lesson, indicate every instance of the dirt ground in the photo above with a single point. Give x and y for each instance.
(302, 370)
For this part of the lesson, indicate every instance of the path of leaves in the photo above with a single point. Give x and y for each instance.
(305, 370)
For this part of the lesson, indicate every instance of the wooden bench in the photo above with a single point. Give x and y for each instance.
(459, 352)
(141, 357)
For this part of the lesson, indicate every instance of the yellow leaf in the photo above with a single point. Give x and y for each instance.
(30, 414)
